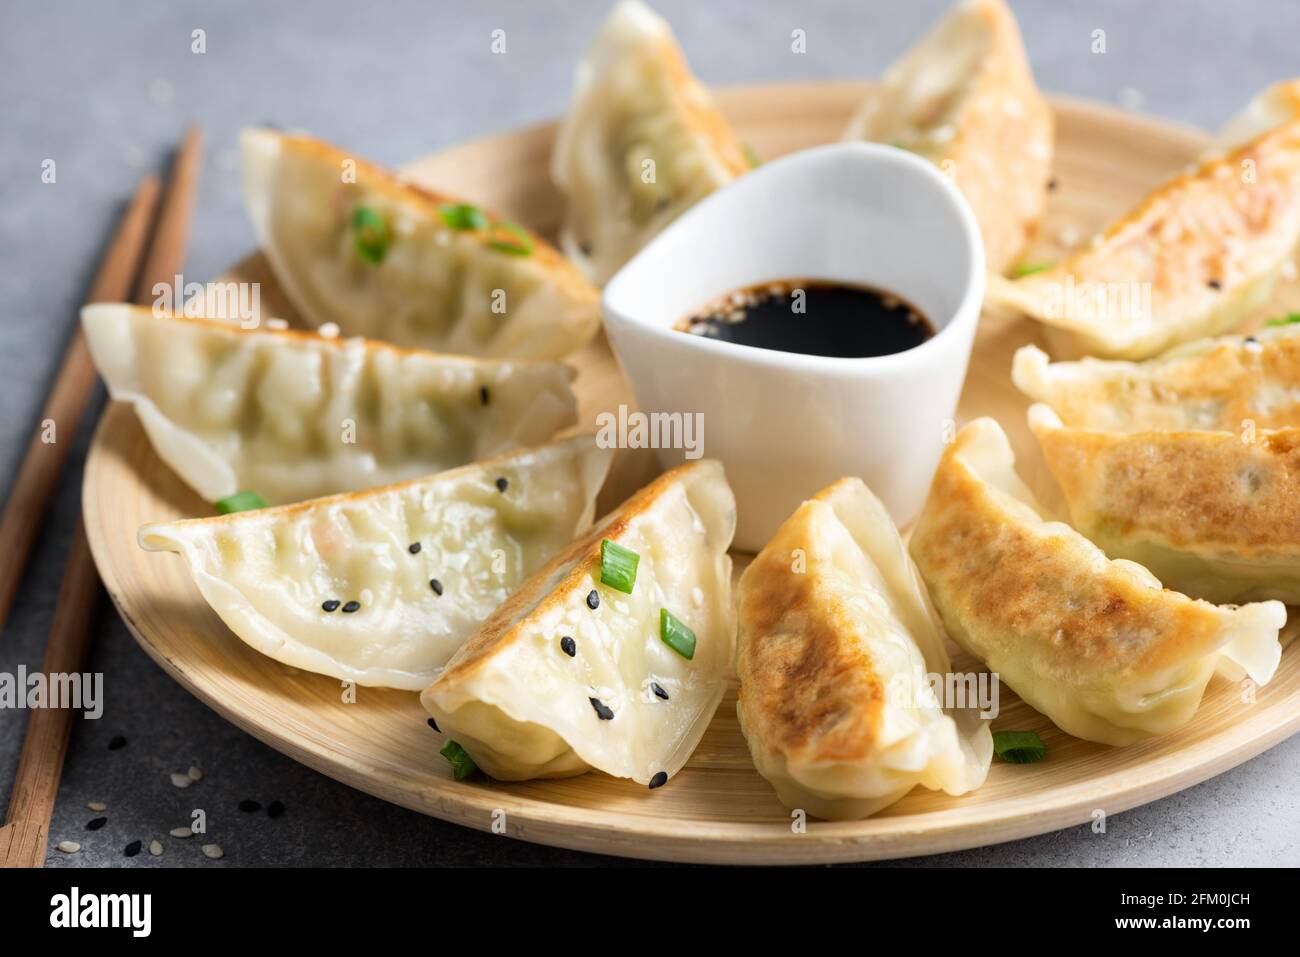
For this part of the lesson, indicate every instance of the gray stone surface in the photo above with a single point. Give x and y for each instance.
(105, 88)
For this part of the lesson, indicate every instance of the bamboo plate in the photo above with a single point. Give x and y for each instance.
(717, 809)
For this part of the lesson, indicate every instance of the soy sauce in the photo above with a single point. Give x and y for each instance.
(812, 317)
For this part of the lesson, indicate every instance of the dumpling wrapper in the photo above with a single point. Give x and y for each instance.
(268, 572)
(523, 708)
(435, 287)
(1211, 514)
(292, 415)
(641, 144)
(1095, 644)
(1193, 259)
(964, 98)
(1228, 384)
(834, 657)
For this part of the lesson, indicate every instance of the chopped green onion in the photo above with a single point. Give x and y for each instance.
(751, 154)
(462, 765)
(1288, 319)
(462, 216)
(1028, 269)
(674, 633)
(244, 501)
(1019, 747)
(618, 566)
(898, 145)
(507, 237)
(371, 233)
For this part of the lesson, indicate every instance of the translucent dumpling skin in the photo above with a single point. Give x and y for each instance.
(642, 143)
(292, 415)
(571, 673)
(382, 587)
(353, 245)
(836, 643)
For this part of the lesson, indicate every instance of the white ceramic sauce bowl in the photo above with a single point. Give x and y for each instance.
(783, 424)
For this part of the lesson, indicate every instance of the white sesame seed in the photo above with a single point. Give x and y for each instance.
(697, 596)
(195, 774)
(156, 848)
(213, 851)
(181, 832)
(330, 330)
(181, 780)
(96, 806)
(68, 847)
(274, 323)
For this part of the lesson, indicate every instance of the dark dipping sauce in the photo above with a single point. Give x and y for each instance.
(813, 317)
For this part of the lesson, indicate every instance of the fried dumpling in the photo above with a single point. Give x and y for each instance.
(573, 673)
(381, 587)
(1229, 384)
(1212, 514)
(353, 245)
(642, 143)
(1095, 644)
(837, 641)
(1193, 259)
(293, 415)
(965, 99)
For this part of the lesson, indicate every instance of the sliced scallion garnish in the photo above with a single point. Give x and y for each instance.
(618, 566)
(462, 765)
(372, 234)
(1288, 319)
(1019, 747)
(507, 237)
(462, 216)
(675, 633)
(244, 501)
(751, 154)
(1028, 269)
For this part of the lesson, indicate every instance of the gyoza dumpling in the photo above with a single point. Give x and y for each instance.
(354, 245)
(642, 142)
(964, 95)
(573, 673)
(1192, 260)
(1096, 645)
(1212, 514)
(836, 642)
(292, 415)
(1227, 384)
(382, 587)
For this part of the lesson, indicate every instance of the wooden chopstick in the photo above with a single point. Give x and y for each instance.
(172, 234)
(38, 476)
(23, 840)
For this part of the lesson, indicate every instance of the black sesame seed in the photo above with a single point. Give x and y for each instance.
(568, 646)
(659, 780)
(1251, 340)
(116, 743)
(434, 724)
(413, 548)
(593, 600)
(502, 484)
(1051, 185)
(132, 849)
(350, 607)
(331, 605)
(602, 712)
(95, 823)
(436, 586)
(249, 806)
(658, 690)
(1214, 284)
(483, 395)
(274, 809)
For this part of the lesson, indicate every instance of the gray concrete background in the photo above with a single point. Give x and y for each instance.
(105, 89)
